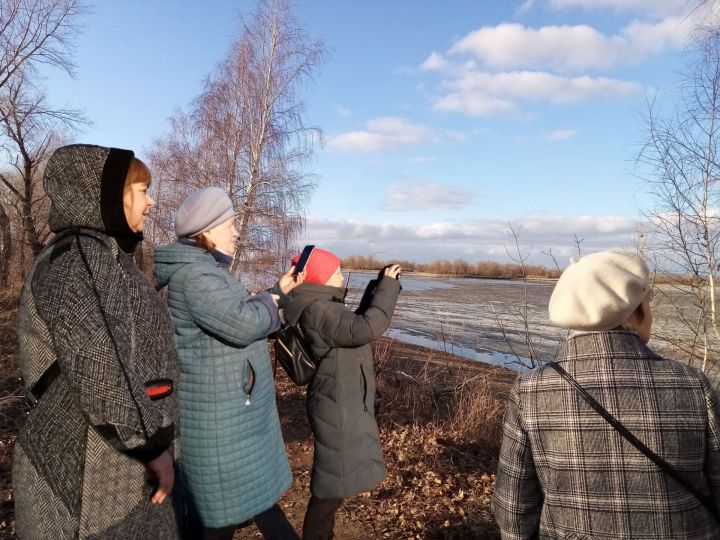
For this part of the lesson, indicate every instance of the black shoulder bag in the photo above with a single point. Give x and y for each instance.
(295, 355)
(637, 443)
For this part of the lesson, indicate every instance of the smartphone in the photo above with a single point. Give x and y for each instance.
(302, 261)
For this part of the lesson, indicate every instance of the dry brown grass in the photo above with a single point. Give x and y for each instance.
(440, 423)
(459, 399)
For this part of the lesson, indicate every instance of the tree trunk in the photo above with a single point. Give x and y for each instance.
(5, 247)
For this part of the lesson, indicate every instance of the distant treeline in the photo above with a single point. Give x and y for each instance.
(687, 280)
(457, 267)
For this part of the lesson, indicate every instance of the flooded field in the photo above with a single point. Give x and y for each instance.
(495, 321)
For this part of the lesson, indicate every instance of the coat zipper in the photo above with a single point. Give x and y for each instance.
(362, 370)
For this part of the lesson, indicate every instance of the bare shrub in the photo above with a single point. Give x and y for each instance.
(478, 412)
(460, 403)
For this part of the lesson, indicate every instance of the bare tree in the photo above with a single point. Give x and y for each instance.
(30, 130)
(246, 133)
(682, 152)
(36, 32)
(32, 33)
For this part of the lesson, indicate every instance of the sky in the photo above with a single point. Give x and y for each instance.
(444, 123)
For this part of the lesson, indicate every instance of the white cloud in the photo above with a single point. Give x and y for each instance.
(540, 86)
(524, 7)
(383, 133)
(513, 46)
(484, 94)
(480, 239)
(476, 104)
(425, 197)
(562, 134)
(387, 133)
(493, 70)
(434, 62)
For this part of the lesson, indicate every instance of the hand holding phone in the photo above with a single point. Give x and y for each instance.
(392, 270)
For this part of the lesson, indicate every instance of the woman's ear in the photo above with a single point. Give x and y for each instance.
(640, 321)
(641, 313)
(635, 320)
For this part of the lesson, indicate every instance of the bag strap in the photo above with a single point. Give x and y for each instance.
(637, 443)
(52, 372)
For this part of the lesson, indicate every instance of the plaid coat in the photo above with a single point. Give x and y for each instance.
(565, 473)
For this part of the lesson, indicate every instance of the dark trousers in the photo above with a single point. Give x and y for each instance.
(272, 523)
(320, 518)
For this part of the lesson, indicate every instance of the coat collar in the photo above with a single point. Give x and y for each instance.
(614, 344)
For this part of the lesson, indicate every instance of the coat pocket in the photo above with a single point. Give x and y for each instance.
(364, 387)
(248, 381)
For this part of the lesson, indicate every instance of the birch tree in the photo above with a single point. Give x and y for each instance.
(246, 133)
(682, 152)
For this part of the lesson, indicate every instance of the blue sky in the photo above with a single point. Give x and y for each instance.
(443, 121)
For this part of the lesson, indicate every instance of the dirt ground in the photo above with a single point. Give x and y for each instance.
(440, 470)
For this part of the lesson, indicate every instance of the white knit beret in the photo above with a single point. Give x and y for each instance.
(203, 210)
(599, 291)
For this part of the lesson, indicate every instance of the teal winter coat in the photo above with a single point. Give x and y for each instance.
(231, 446)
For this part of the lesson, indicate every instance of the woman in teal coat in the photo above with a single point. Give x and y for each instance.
(231, 449)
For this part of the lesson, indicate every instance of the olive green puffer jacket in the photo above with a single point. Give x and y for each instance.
(348, 458)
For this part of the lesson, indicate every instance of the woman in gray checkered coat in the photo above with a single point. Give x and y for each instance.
(93, 459)
(565, 472)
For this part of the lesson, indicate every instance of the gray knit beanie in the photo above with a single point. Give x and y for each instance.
(203, 210)
(600, 291)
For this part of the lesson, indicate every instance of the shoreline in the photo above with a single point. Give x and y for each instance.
(499, 378)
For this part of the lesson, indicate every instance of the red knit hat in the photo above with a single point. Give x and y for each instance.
(320, 266)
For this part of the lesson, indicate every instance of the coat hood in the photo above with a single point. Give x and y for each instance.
(172, 257)
(303, 295)
(85, 184)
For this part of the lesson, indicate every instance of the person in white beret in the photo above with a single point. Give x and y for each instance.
(565, 471)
